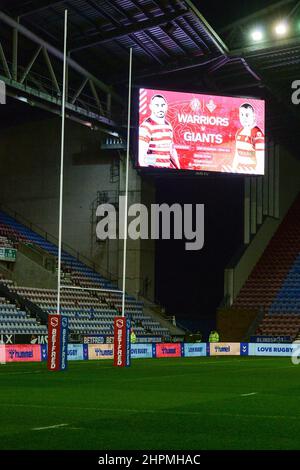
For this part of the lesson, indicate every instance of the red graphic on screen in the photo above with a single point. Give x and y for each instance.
(201, 132)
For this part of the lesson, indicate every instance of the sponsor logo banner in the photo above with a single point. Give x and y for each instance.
(141, 351)
(100, 351)
(194, 349)
(2, 354)
(44, 352)
(225, 349)
(270, 339)
(23, 353)
(57, 342)
(128, 342)
(168, 350)
(98, 339)
(75, 352)
(244, 349)
(271, 349)
(23, 339)
(8, 339)
(148, 339)
(121, 342)
(64, 342)
(85, 352)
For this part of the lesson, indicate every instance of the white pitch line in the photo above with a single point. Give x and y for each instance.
(148, 411)
(50, 427)
(21, 373)
(248, 394)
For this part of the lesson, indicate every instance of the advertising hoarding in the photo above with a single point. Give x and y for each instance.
(168, 350)
(225, 349)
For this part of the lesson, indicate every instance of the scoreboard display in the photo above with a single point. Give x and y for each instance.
(188, 131)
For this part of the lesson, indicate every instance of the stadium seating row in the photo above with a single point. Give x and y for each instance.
(274, 284)
(89, 312)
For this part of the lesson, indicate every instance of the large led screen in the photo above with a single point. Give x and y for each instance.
(188, 131)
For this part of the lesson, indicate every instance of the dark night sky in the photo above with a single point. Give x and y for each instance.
(220, 14)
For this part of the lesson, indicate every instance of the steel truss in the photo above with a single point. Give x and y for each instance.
(89, 100)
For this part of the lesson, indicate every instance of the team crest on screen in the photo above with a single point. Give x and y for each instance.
(211, 106)
(195, 105)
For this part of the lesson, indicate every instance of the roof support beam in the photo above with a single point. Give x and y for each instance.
(147, 51)
(36, 7)
(134, 28)
(167, 33)
(15, 51)
(51, 70)
(131, 18)
(266, 47)
(55, 102)
(57, 53)
(96, 96)
(79, 91)
(29, 66)
(170, 68)
(4, 61)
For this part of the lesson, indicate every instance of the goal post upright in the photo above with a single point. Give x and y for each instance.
(126, 186)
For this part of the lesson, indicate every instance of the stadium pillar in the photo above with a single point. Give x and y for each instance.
(259, 200)
(271, 179)
(253, 205)
(276, 182)
(247, 198)
(2, 92)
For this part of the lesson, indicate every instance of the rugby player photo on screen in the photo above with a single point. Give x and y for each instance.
(250, 143)
(156, 146)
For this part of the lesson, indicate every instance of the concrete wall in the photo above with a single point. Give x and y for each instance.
(29, 171)
(28, 273)
(140, 275)
(147, 267)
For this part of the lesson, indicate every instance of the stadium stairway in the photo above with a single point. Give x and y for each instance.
(89, 312)
(274, 284)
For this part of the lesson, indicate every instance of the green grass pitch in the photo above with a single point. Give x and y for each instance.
(156, 404)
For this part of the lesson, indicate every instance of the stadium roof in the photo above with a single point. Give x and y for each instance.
(173, 45)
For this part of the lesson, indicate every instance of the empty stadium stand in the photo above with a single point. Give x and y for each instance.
(89, 312)
(5, 243)
(15, 321)
(274, 284)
